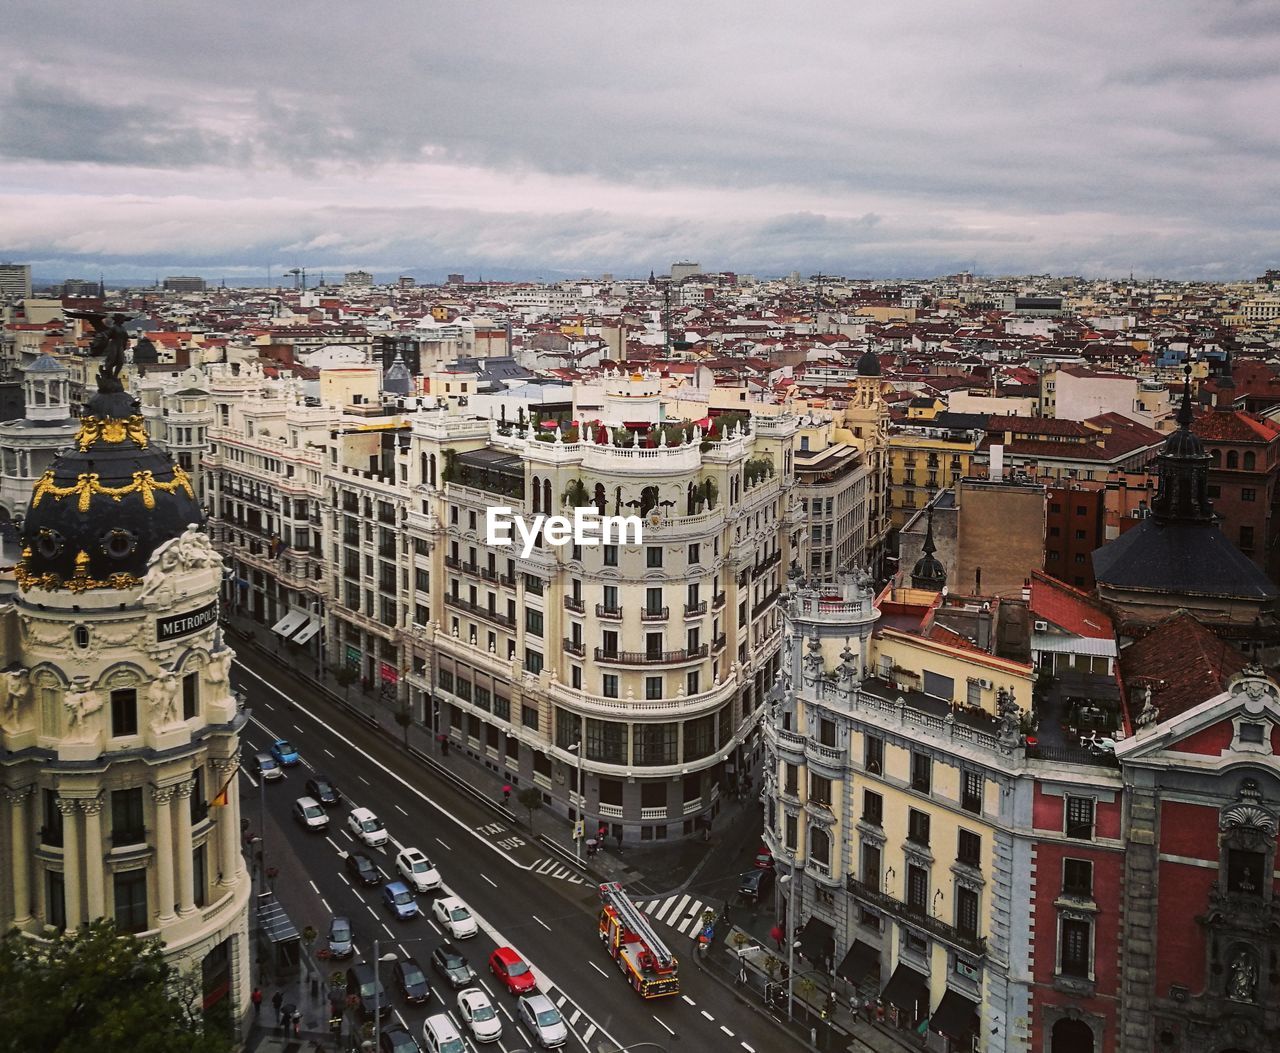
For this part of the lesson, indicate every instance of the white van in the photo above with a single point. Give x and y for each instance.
(441, 1036)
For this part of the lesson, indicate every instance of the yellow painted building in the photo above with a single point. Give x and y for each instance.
(920, 466)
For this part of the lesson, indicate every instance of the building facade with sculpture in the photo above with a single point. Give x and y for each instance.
(120, 729)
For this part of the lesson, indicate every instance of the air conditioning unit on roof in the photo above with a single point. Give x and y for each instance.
(1042, 627)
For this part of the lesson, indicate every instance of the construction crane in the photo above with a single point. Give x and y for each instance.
(299, 278)
(646, 962)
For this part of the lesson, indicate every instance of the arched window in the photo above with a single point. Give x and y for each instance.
(648, 499)
(537, 494)
(546, 496)
(432, 465)
(1250, 459)
(1072, 1036)
(600, 498)
(819, 845)
(689, 500)
(1215, 457)
(1233, 459)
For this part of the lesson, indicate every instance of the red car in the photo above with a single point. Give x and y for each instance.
(512, 970)
(764, 858)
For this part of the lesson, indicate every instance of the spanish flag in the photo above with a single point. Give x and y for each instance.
(221, 799)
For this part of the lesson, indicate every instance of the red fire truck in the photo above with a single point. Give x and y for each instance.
(643, 958)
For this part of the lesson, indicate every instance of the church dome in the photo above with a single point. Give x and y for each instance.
(105, 505)
(929, 573)
(868, 364)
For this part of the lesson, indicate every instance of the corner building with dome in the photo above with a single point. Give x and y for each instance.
(119, 729)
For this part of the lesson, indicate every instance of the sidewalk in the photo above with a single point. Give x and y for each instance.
(658, 870)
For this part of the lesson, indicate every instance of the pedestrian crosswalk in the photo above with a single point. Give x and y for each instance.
(682, 912)
(553, 868)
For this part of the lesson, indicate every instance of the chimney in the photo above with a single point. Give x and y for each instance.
(997, 461)
(1026, 590)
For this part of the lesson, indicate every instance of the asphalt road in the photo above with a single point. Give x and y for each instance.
(489, 864)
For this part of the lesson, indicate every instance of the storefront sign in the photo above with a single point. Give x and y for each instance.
(179, 625)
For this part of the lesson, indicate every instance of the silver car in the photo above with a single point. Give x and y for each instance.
(308, 812)
(267, 766)
(543, 1019)
(340, 939)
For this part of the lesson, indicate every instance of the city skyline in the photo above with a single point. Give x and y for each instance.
(908, 143)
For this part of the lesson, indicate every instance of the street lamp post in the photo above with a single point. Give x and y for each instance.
(796, 864)
(582, 797)
(378, 959)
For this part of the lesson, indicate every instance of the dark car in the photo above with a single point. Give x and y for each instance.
(755, 884)
(361, 984)
(363, 869)
(395, 1039)
(322, 789)
(449, 963)
(411, 980)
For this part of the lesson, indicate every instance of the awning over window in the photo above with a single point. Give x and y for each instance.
(859, 960)
(906, 989)
(289, 624)
(956, 1016)
(309, 630)
(817, 941)
(273, 922)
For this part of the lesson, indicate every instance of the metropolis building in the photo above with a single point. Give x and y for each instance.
(119, 731)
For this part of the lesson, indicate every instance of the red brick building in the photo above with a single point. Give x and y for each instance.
(1245, 452)
(1075, 525)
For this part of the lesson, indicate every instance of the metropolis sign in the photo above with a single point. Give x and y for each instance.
(176, 625)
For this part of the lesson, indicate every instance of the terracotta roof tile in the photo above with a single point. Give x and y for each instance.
(1184, 663)
(1069, 609)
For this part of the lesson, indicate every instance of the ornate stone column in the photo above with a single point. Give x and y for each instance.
(71, 861)
(185, 850)
(162, 796)
(20, 845)
(94, 879)
(227, 817)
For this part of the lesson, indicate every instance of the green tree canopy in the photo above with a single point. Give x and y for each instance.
(97, 990)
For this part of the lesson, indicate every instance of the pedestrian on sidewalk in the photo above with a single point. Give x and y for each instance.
(776, 934)
(444, 745)
(506, 793)
(256, 999)
(618, 836)
(277, 1001)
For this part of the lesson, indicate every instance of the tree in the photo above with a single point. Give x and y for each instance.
(404, 718)
(346, 676)
(94, 989)
(531, 798)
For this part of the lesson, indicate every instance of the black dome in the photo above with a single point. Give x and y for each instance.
(868, 365)
(929, 573)
(105, 505)
(1184, 443)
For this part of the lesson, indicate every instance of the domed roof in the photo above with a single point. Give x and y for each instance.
(869, 364)
(929, 573)
(145, 351)
(105, 506)
(45, 364)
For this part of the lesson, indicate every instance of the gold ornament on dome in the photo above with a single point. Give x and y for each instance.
(110, 429)
(80, 582)
(88, 483)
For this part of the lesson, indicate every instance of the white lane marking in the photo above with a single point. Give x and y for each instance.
(661, 913)
(443, 845)
(364, 780)
(586, 1035)
(331, 841)
(708, 1016)
(598, 969)
(749, 1049)
(689, 1000)
(296, 728)
(401, 811)
(549, 865)
(328, 754)
(490, 880)
(401, 1019)
(371, 911)
(665, 1028)
(487, 989)
(573, 1017)
(325, 902)
(520, 1032)
(313, 887)
(726, 1030)
(506, 1011)
(269, 706)
(390, 934)
(540, 922)
(679, 911)
(345, 881)
(252, 781)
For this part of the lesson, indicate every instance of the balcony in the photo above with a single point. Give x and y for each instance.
(916, 917)
(655, 614)
(459, 603)
(695, 610)
(575, 605)
(575, 647)
(612, 613)
(717, 601)
(718, 643)
(453, 562)
(830, 756)
(650, 657)
(766, 563)
(766, 603)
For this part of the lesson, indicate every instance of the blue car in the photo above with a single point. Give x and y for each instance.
(400, 901)
(284, 753)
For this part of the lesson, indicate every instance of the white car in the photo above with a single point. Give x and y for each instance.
(478, 1014)
(452, 913)
(367, 827)
(417, 870)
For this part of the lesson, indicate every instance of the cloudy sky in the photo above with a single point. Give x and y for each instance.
(550, 139)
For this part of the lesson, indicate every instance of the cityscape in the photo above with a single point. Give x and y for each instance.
(673, 528)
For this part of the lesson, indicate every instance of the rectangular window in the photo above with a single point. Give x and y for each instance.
(529, 717)
(873, 757)
(872, 808)
(51, 833)
(607, 741)
(967, 911)
(652, 601)
(532, 621)
(1080, 818)
(1248, 494)
(55, 909)
(657, 744)
(917, 888)
(124, 712)
(969, 848)
(444, 677)
(127, 824)
(921, 772)
(871, 865)
(918, 827)
(1077, 937)
(692, 683)
(609, 642)
(609, 685)
(695, 554)
(575, 677)
(820, 789)
(1077, 878)
(791, 780)
(609, 554)
(826, 732)
(199, 875)
(792, 828)
(190, 696)
(653, 556)
(653, 687)
(532, 660)
(483, 697)
(131, 901)
(971, 792)
(568, 728)
(502, 707)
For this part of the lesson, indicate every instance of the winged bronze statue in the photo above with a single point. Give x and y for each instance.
(110, 340)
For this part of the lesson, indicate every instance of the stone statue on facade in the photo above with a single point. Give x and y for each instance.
(80, 705)
(219, 667)
(1148, 716)
(1244, 978)
(164, 699)
(17, 693)
(1008, 714)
